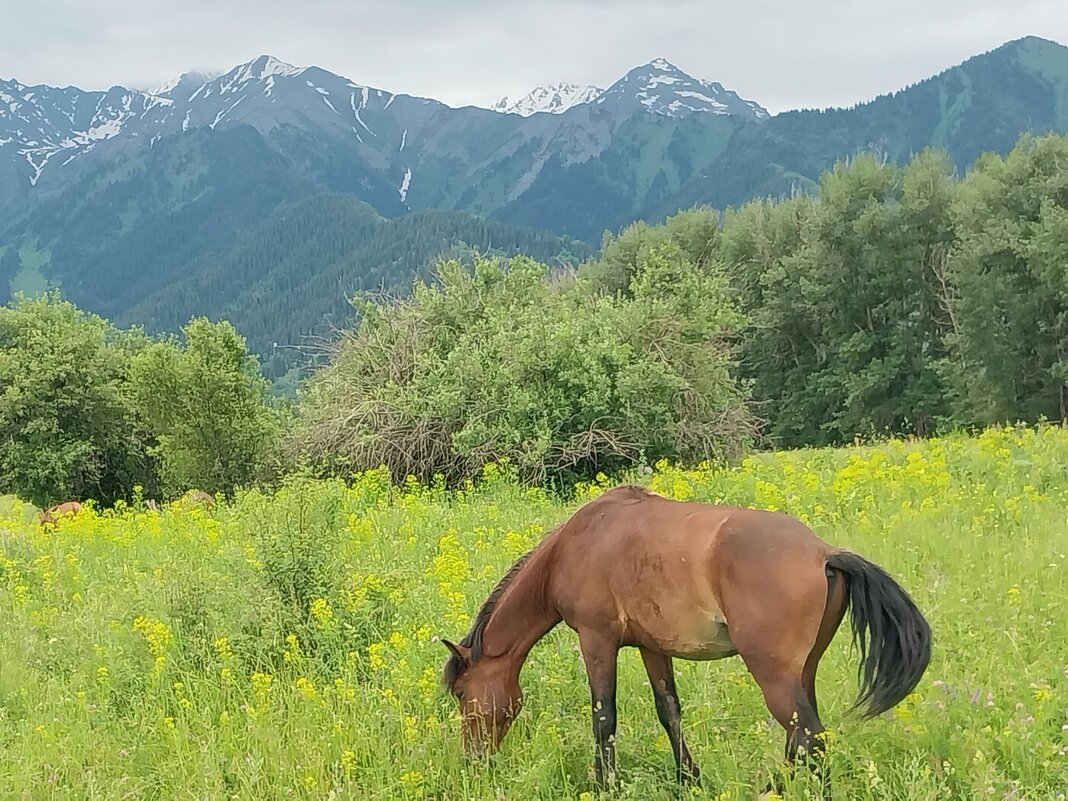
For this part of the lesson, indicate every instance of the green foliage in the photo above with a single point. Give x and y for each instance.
(209, 408)
(499, 363)
(91, 411)
(1010, 273)
(843, 296)
(895, 299)
(66, 425)
(694, 232)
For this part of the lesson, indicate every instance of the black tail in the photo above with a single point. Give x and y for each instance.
(893, 637)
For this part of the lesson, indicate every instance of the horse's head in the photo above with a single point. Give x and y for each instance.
(489, 696)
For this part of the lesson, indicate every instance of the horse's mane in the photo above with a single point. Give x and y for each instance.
(455, 666)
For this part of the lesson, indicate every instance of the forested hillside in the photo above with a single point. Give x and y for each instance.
(201, 225)
(981, 106)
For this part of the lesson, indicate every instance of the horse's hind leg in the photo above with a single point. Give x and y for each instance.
(669, 711)
(782, 651)
(832, 618)
(787, 700)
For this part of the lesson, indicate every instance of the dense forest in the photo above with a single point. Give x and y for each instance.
(893, 300)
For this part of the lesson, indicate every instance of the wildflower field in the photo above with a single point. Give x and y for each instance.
(283, 646)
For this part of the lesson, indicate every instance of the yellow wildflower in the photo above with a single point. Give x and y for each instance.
(321, 613)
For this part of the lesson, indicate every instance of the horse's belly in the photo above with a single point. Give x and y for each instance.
(708, 641)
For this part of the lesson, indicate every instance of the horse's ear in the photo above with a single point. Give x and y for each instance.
(459, 651)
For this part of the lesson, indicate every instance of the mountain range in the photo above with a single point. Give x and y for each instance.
(117, 196)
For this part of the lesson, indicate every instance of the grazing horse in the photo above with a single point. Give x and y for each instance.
(693, 581)
(51, 514)
(197, 498)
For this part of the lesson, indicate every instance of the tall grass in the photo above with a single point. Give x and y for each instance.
(284, 646)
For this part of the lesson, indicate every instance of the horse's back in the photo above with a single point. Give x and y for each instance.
(671, 575)
(631, 522)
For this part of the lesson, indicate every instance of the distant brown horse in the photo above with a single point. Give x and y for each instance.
(52, 513)
(693, 581)
(197, 498)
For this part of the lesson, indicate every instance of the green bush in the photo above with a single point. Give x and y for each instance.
(209, 407)
(498, 363)
(67, 428)
(90, 411)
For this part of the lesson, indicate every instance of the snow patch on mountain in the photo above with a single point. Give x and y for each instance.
(357, 109)
(553, 99)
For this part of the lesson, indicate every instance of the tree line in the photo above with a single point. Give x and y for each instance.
(892, 300)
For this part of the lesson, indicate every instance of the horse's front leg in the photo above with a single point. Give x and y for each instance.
(599, 652)
(669, 711)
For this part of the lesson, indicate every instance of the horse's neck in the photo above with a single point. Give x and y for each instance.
(525, 612)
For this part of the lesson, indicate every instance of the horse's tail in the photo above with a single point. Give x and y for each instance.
(891, 633)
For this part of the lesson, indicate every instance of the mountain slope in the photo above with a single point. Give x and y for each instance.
(129, 229)
(168, 234)
(981, 105)
(260, 281)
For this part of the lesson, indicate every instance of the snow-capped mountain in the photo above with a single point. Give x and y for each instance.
(662, 88)
(46, 132)
(267, 94)
(42, 124)
(555, 98)
(42, 127)
(658, 87)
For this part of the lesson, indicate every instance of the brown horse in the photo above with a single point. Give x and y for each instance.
(195, 498)
(693, 581)
(52, 513)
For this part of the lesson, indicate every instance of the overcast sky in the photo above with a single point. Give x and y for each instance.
(781, 54)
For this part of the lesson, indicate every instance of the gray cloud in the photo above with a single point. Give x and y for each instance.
(783, 55)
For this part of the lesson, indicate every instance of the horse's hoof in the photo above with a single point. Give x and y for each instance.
(689, 778)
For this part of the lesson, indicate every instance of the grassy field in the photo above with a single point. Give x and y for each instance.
(284, 646)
